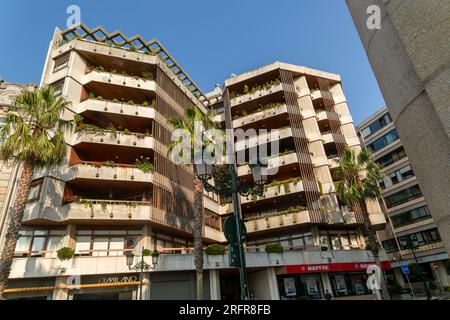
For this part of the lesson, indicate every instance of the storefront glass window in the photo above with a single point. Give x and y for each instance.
(348, 284)
(300, 286)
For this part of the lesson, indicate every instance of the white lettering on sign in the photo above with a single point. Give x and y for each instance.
(318, 268)
(117, 279)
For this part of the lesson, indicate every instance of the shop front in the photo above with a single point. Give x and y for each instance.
(312, 280)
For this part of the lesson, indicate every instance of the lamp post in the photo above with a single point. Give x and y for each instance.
(408, 243)
(229, 187)
(142, 266)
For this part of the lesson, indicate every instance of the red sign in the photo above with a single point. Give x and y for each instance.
(335, 267)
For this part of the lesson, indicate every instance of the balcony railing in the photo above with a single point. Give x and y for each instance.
(276, 189)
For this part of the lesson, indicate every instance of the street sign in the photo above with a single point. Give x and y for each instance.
(405, 269)
(229, 228)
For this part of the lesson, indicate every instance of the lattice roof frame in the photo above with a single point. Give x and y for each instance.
(153, 47)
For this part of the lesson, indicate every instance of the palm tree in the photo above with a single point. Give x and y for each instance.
(357, 178)
(33, 137)
(193, 115)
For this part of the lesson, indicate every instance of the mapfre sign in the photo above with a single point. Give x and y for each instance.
(334, 267)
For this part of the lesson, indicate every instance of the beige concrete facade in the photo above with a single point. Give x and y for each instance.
(410, 56)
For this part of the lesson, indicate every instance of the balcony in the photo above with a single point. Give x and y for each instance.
(251, 96)
(274, 162)
(117, 108)
(114, 79)
(277, 189)
(282, 133)
(119, 172)
(107, 137)
(260, 115)
(91, 209)
(278, 220)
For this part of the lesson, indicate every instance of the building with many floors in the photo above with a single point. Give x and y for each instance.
(118, 191)
(408, 213)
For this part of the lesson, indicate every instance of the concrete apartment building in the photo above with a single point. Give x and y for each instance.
(409, 214)
(8, 171)
(101, 203)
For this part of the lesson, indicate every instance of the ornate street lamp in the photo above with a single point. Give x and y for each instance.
(142, 266)
(228, 187)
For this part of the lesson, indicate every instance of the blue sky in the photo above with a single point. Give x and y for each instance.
(210, 39)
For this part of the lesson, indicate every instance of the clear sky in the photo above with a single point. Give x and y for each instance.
(210, 39)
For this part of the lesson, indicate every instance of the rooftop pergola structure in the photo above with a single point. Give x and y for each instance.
(135, 43)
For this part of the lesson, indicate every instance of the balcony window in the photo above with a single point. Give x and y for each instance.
(376, 125)
(339, 239)
(410, 217)
(35, 191)
(397, 176)
(392, 157)
(403, 196)
(61, 63)
(383, 141)
(390, 246)
(421, 238)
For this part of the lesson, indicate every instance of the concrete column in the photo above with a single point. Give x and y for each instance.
(263, 284)
(214, 284)
(273, 284)
(146, 286)
(326, 282)
(70, 236)
(60, 293)
(146, 240)
(399, 277)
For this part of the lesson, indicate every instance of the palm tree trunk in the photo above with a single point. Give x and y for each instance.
(374, 247)
(198, 228)
(14, 227)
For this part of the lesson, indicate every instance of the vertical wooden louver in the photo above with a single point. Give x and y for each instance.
(173, 195)
(310, 185)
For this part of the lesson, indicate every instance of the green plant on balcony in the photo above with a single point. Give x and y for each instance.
(215, 249)
(154, 103)
(144, 165)
(145, 104)
(147, 75)
(78, 119)
(109, 163)
(87, 203)
(132, 47)
(287, 189)
(100, 98)
(65, 253)
(246, 89)
(274, 248)
(91, 95)
(104, 205)
(115, 100)
(126, 131)
(130, 102)
(87, 128)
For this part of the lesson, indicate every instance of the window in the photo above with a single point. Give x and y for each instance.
(339, 239)
(37, 243)
(296, 241)
(61, 63)
(392, 157)
(403, 196)
(58, 86)
(35, 191)
(383, 141)
(397, 176)
(376, 125)
(410, 217)
(421, 238)
(390, 245)
(105, 242)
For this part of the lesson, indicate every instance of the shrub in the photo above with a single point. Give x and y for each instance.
(115, 100)
(274, 248)
(147, 252)
(130, 102)
(65, 253)
(145, 104)
(215, 249)
(144, 165)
